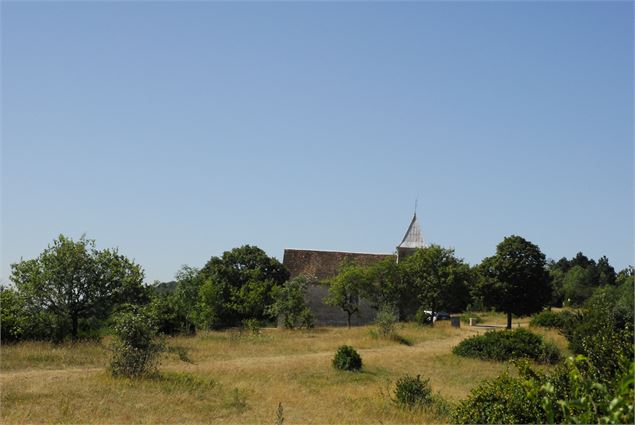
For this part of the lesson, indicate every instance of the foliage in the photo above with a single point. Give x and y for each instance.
(345, 289)
(502, 400)
(515, 280)
(237, 286)
(385, 320)
(586, 400)
(254, 326)
(289, 304)
(440, 281)
(552, 319)
(136, 348)
(506, 345)
(412, 392)
(17, 321)
(578, 285)
(76, 283)
(346, 358)
(603, 333)
(569, 394)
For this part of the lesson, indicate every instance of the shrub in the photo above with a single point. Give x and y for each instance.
(385, 320)
(551, 319)
(136, 348)
(307, 320)
(412, 392)
(346, 358)
(252, 325)
(506, 345)
(502, 400)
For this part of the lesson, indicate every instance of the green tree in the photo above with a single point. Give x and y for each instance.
(440, 280)
(515, 280)
(346, 289)
(239, 286)
(289, 303)
(577, 285)
(388, 287)
(74, 281)
(605, 272)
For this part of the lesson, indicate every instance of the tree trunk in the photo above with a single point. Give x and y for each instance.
(348, 319)
(75, 321)
(509, 320)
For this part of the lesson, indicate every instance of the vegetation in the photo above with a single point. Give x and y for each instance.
(346, 358)
(71, 284)
(437, 279)
(347, 288)
(412, 392)
(552, 319)
(136, 348)
(515, 280)
(289, 304)
(507, 345)
(238, 286)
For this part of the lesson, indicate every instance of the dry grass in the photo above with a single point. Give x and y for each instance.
(239, 378)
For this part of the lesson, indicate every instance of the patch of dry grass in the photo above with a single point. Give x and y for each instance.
(240, 378)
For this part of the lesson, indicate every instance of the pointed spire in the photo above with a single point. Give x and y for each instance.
(413, 237)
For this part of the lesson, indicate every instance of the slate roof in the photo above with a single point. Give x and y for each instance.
(413, 237)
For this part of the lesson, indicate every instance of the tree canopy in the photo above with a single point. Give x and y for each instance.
(515, 280)
(73, 281)
(239, 285)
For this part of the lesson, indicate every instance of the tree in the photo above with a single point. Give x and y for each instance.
(577, 285)
(239, 285)
(515, 280)
(73, 281)
(288, 302)
(606, 272)
(440, 280)
(388, 288)
(345, 289)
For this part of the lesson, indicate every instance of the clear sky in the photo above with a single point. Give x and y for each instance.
(176, 131)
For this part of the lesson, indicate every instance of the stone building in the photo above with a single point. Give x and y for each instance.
(324, 265)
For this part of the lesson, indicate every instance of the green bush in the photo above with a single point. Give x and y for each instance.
(346, 358)
(412, 392)
(506, 345)
(551, 319)
(136, 347)
(385, 320)
(569, 394)
(502, 400)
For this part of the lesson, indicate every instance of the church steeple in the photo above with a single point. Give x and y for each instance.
(412, 240)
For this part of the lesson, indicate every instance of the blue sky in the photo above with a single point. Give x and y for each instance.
(176, 131)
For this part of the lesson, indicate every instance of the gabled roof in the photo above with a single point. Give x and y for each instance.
(413, 237)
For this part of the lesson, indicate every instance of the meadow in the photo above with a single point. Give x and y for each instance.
(240, 377)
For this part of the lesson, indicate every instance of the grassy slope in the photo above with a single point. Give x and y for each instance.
(239, 379)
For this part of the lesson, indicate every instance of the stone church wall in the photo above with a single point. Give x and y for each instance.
(324, 265)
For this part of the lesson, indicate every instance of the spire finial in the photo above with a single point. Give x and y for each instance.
(416, 201)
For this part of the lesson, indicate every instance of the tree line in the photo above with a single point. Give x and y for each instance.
(73, 290)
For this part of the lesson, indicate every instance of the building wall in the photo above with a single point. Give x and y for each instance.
(324, 265)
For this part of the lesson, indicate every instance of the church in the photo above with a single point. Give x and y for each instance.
(324, 265)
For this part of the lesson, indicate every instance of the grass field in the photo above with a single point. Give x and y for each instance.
(241, 378)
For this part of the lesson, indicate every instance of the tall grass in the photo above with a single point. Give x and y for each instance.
(239, 378)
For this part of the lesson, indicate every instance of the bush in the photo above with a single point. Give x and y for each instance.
(569, 394)
(506, 345)
(412, 392)
(385, 320)
(551, 319)
(136, 348)
(346, 358)
(252, 325)
(502, 400)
